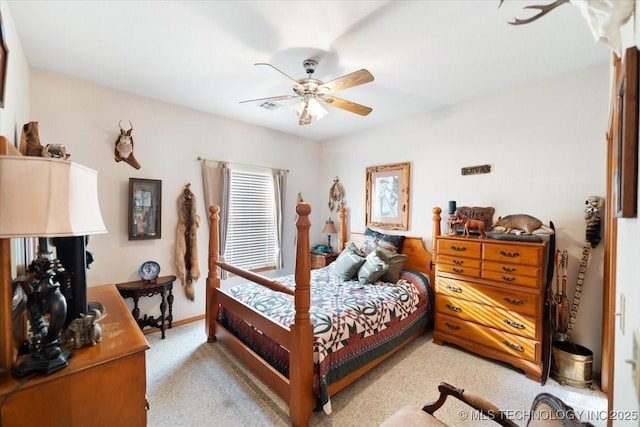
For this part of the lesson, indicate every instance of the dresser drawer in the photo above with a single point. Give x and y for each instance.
(504, 320)
(504, 342)
(512, 254)
(508, 299)
(511, 279)
(521, 270)
(459, 261)
(465, 271)
(459, 248)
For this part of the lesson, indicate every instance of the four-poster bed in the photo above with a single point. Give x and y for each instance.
(304, 378)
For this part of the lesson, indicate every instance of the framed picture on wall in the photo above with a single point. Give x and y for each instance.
(387, 196)
(145, 202)
(4, 54)
(625, 147)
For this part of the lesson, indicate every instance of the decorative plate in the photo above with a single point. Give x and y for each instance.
(149, 270)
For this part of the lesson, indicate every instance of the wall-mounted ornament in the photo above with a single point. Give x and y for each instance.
(124, 146)
(336, 195)
(186, 242)
(475, 170)
(604, 18)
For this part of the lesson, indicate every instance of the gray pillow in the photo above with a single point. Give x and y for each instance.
(396, 264)
(348, 262)
(372, 269)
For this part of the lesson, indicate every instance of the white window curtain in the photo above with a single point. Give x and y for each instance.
(216, 181)
(279, 181)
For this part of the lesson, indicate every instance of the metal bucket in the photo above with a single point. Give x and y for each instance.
(572, 364)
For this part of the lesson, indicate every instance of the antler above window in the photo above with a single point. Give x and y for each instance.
(544, 9)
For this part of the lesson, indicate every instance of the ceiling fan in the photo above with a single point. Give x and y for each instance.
(313, 92)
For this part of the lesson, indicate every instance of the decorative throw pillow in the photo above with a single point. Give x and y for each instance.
(374, 239)
(348, 262)
(372, 269)
(396, 264)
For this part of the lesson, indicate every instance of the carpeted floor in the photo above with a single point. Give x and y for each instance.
(193, 383)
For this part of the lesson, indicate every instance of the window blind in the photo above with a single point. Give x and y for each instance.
(251, 232)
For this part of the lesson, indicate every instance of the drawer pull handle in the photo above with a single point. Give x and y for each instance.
(454, 288)
(508, 279)
(513, 301)
(452, 327)
(508, 269)
(512, 346)
(454, 308)
(458, 248)
(513, 324)
(510, 254)
(458, 261)
(458, 270)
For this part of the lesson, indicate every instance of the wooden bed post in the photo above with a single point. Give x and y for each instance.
(301, 398)
(213, 281)
(343, 227)
(436, 227)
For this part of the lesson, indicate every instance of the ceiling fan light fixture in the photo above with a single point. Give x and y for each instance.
(310, 90)
(315, 109)
(308, 109)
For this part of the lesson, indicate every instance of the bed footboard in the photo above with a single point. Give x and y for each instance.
(299, 392)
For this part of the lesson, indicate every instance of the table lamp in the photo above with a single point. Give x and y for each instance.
(329, 229)
(46, 197)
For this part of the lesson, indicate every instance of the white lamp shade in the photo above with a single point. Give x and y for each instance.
(47, 197)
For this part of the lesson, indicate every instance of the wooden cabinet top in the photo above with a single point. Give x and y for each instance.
(120, 337)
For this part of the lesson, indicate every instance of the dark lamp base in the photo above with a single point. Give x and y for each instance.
(36, 366)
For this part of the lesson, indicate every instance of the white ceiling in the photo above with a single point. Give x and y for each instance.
(424, 55)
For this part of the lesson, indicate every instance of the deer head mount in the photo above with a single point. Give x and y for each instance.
(124, 146)
(604, 17)
(544, 9)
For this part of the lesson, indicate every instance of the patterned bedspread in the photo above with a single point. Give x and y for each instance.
(353, 323)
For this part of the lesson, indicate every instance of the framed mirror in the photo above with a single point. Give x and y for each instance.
(145, 202)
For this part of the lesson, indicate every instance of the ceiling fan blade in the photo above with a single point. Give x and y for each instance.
(346, 105)
(350, 80)
(271, 98)
(293, 81)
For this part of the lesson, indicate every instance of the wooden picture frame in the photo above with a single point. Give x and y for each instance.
(145, 213)
(4, 55)
(625, 156)
(387, 196)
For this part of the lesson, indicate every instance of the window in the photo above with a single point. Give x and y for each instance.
(251, 233)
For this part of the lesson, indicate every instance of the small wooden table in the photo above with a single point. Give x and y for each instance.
(142, 288)
(321, 259)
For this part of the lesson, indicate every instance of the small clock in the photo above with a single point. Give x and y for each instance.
(149, 270)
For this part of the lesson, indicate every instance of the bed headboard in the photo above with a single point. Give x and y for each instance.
(418, 257)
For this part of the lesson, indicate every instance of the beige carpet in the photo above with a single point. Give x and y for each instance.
(193, 383)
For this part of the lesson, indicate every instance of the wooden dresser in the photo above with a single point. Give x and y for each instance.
(490, 299)
(104, 385)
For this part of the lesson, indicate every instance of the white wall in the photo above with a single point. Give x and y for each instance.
(546, 147)
(168, 139)
(16, 98)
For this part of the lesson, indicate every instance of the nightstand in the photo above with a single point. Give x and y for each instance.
(320, 259)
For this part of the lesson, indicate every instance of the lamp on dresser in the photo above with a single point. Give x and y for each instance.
(44, 198)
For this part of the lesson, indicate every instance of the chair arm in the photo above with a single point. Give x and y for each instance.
(487, 408)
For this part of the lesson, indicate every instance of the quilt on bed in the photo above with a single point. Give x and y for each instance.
(353, 323)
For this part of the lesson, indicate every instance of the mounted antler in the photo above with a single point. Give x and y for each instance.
(124, 146)
(544, 9)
